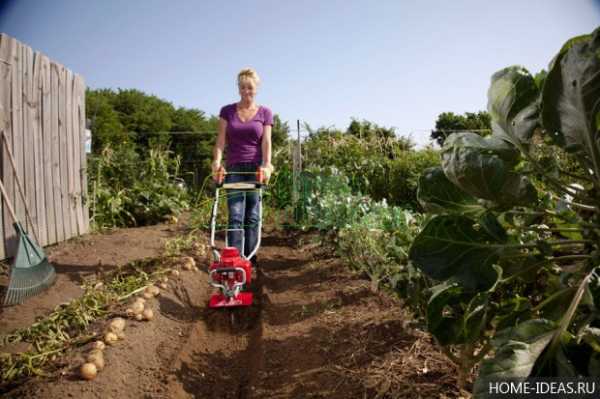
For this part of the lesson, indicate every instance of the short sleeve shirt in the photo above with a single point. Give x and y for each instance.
(243, 139)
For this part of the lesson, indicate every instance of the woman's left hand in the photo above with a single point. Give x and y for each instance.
(267, 171)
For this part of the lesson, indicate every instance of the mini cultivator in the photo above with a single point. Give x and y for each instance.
(231, 271)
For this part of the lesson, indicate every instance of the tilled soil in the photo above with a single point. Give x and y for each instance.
(315, 330)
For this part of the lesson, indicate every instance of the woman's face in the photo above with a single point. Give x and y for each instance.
(247, 89)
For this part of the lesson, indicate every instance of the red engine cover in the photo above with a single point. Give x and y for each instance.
(230, 258)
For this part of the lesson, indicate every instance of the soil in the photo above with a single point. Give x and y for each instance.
(315, 330)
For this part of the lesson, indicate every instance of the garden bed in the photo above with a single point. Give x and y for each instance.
(315, 330)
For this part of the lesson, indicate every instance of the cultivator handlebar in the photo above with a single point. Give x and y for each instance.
(260, 178)
(258, 185)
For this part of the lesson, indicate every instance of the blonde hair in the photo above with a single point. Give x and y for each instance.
(248, 74)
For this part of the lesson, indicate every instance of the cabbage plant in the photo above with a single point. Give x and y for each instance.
(514, 243)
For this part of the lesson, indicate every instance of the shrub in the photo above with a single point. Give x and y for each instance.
(127, 190)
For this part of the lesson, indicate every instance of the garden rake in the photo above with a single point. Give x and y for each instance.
(31, 272)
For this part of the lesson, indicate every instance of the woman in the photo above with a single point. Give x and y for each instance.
(245, 131)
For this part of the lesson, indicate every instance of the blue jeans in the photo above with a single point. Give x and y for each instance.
(243, 208)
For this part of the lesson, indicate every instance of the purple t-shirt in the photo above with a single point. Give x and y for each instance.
(244, 138)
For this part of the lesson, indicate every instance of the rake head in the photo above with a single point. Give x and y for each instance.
(25, 283)
(31, 272)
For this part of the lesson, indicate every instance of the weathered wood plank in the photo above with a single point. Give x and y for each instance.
(6, 55)
(62, 138)
(18, 134)
(83, 156)
(16, 116)
(28, 181)
(38, 148)
(47, 152)
(70, 155)
(59, 225)
(78, 136)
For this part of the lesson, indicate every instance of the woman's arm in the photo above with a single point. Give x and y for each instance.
(219, 146)
(220, 143)
(266, 152)
(266, 146)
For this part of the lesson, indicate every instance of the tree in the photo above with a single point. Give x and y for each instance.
(280, 132)
(369, 130)
(387, 138)
(448, 123)
(106, 125)
(147, 117)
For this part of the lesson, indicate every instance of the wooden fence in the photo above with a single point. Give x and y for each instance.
(42, 112)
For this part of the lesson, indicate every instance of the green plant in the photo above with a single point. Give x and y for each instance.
(397, 180)
(375, 164)
(178, 245)
(128, 190)
(371, 236)
(517, 267)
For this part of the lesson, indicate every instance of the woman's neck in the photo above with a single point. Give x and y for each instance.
(246, 104)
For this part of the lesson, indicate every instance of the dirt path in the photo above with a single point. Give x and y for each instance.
(314, 331)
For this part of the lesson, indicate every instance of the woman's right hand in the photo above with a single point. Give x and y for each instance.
(218, 172)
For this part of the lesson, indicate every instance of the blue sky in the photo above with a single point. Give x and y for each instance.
(396, 63)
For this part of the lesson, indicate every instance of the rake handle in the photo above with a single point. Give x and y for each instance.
(19, 186)
(7, 202)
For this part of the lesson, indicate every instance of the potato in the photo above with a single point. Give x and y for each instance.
(99, 345)
(188, 263)
(153, 290)
(137, 307)
(148, 294)
(117, 324)
(99, 363)
(139, 317)
(175, 273)
(94, 353)
(148, 314)
(88, 371)
(97, 358)
(110, 338)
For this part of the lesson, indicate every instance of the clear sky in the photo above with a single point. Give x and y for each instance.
(396, 63)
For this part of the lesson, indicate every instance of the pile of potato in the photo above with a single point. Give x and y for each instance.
(116, 327)
(95, 358)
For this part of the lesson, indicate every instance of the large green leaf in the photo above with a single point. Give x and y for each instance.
(444, 320)
(455, 316)
(513, 105)
(483, 167)
(571, 97)
(451, 246)
(476, 317)
(489, 222)
(437, 194)
(516, 355)
(511, 311)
